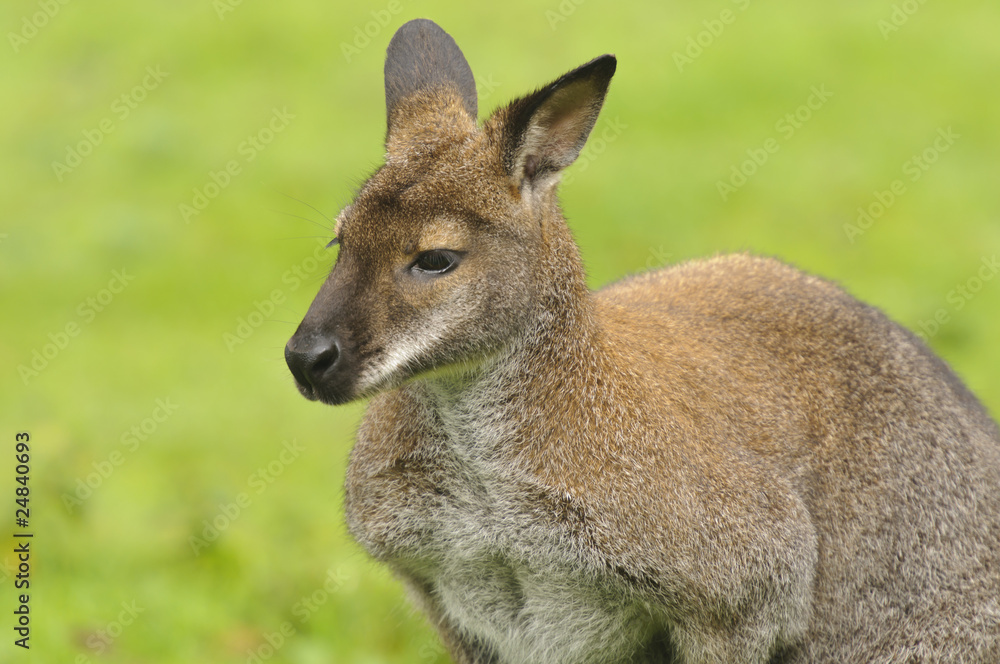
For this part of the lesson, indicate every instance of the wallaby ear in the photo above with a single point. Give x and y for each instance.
(420, 57)
(544, 132)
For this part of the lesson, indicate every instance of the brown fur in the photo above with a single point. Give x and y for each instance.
(724, 461)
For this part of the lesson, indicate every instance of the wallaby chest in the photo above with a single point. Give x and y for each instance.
(502, 555)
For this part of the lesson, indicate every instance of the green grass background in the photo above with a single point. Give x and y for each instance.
(647, 197)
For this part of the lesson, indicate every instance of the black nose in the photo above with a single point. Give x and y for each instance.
(312, 360)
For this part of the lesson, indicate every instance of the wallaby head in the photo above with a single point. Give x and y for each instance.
(451, 246)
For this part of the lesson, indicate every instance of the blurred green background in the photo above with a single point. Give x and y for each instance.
(186, 501)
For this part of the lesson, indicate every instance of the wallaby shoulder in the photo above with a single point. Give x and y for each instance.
(735, 288)
(737, 309)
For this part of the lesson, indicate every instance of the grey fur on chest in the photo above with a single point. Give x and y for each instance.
(502, 557)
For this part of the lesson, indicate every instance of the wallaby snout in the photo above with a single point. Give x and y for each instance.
(314, 361)
(322, 355)
(726, 460)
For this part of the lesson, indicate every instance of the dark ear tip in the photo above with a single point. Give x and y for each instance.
(605, 65)
(601, 68)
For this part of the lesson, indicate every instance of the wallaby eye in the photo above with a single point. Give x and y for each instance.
(435, 261)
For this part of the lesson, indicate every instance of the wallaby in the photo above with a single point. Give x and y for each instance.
(727, 460)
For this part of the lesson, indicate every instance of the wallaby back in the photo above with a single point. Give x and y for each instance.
(724, 461)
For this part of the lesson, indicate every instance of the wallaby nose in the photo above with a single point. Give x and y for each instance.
(310, 362)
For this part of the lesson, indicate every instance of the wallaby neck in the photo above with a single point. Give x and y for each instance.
(563, 336)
